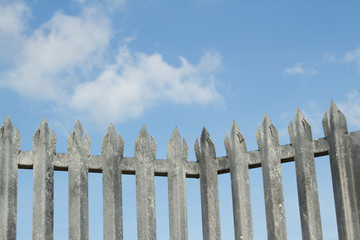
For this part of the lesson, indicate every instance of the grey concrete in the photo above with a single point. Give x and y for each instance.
(112, 151)
(240, 183)
(78, 153)
(9, 147)
(44, 150)
(145, 188)
(177, 156)
(128, 164)
(355, 156)
(268, 143)
(302, 141)
(206, 157)
(336, 133)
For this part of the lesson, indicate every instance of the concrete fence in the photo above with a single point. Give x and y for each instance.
(342, 147)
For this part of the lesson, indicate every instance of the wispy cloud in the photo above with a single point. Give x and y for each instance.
(299, 70)
(66, 61)
(351, 109)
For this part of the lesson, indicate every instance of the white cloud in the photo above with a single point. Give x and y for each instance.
(13, 19)
(139, 81)
(65, 61)
(353, 56)
(299, 70)
(351, 109)
(53, 52)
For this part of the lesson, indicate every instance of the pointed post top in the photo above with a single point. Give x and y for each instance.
(266, 121)
(204, 134)
(175, 136)
(337, 118)
(77, 135)
(227, 144)
(299, 115)
(7, 123)
(197, 150)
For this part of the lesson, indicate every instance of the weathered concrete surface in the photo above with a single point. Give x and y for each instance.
(335, 129)
(9, 147)
(112, 151)
(355, 156)
(177, 156)
(78, 153)
(240, 183)
(301, 140)
(206, 156)
(268, 143)
(44, 150)
(145, 187)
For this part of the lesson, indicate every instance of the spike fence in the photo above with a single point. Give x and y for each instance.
(342, 147)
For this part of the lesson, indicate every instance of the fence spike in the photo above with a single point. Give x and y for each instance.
(338, 117)
(17, 139)
(109, 142)
(87, 144)
(227, 144)
(53, 141)
(207, 144)
(258, 135)
(197, 150)
(153, 147)
(185, 149)
(237, 137)
(174, 145)
(76, 137)
(269, 131)
(121, 144)
(325, 123)
(291, 131)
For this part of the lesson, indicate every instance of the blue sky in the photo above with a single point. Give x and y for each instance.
(189, 64)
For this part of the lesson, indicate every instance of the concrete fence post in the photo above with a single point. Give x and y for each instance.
(177, 156)
(112, 151)
(208, 165)
(268, 143)
(44, 149)
(341, 162)
(302, 142)
(240, 183)
(9, 147)
(78, 152)
(145, 187)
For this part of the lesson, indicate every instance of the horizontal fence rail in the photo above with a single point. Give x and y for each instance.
(342, 147)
